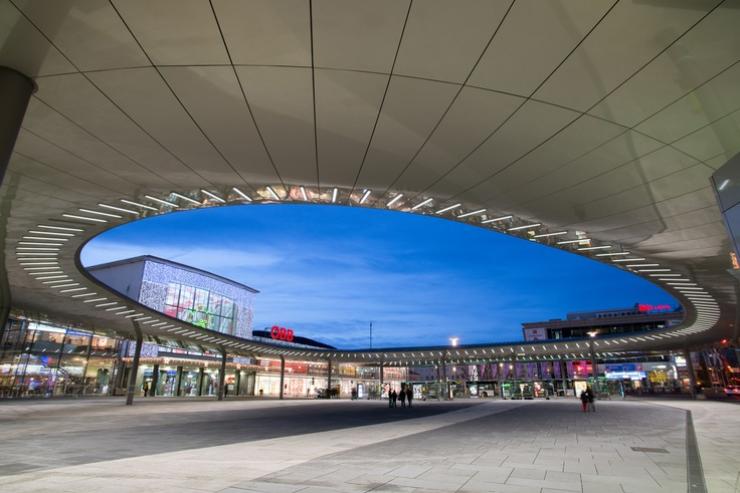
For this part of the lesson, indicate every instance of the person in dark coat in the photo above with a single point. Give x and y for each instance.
(584, 400)
(590, 399)
(394, 396)
(402, 396)
(409, 394)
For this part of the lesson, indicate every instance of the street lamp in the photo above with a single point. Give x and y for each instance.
(454, 341)
(594, 368)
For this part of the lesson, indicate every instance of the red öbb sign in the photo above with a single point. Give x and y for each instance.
(281, 333)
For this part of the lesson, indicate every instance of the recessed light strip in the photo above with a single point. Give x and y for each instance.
(185, 198)
(143, 206)
(213, 196)
(242, 194)
(394, 200)
(422, 204)
(119, 209)
(163, 202)
(472, 213)
(104, 214)
(496, 219)
(272, 192)
(84, 218)
(304, 195)
(59, 228)
(547, 235)
(365, 195)
(588, 249)
(447, 209)
(526, 226)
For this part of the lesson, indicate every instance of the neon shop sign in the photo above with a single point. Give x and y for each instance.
(644, 308)
(281, 333)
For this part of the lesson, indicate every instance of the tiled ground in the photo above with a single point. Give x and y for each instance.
(317, 447)
(538, 447)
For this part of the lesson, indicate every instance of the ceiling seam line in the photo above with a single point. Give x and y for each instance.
(244, 96)
(452, 101)
(626, 130)
(98, 139)
(521, 105)
(98, 88)
(313, 99)
(639, 69)
(382, 101)
(573, 225)
(76, 156)
(33, 192)
(180, 102)
(641, 156)
(64, 172)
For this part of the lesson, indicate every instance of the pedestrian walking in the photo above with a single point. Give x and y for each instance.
(590, 399)
(409, 394)
(584, 401)
(402, 396)
(394, 397)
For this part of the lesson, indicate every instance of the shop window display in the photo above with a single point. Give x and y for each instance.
(200, 307)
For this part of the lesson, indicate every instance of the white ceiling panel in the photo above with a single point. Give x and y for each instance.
(78, 188)
(356, 34)
(266, 32)
(721, 137)
(79, 101)
(282, 102)
(710, 47)
(88, 32)
(347, 104)
(711, 230)
(578, 137)
(443, 40)
(214, 99)
(175, 32)
(474, 115)
(616, 152)
(533, 40)
(43, 151)
(143, 95)
(632, 34)
(708, 103)
(24, 48)
(530, 126)
(411, 108)
(67, 136)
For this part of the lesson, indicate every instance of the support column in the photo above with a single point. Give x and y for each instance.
(594, 370)
(381, 374)
(201, 377)
(237, 381)
(178, 381)
(282, 376)
(564, 376)
(155, 381)
(690, 370)
(15, 91)
(328, 384)
(445, 383)
(134, 369)
(222, 376)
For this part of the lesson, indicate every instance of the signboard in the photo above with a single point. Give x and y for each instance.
(536, 334)
(645, 308)
(281, 333)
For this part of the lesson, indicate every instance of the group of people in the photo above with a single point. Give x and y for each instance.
(587, 400)
(403, 395)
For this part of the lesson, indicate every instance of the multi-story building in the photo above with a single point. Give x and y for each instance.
(638, 318)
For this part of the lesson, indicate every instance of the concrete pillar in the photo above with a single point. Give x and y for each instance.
(564, 376)
(134, 370)
(222, 376)
(328, 384)
(282, 376)
(201, 377)
(690, 371)
(155, 381)
(178, 381)
(594, 370)
(381, 374)
(15, 91)
(237, 381)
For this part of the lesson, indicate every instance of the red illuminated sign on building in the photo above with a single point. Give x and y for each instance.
(281, 333)
(652, 308)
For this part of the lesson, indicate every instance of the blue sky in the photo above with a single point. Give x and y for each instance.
(328, 271)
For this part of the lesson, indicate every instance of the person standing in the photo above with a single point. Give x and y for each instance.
(402, 395)
(394, 396)
(409, 394)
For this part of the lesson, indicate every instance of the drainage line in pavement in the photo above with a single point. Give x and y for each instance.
(694, 470)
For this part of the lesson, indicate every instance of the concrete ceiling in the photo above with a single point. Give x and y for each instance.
(602, 119)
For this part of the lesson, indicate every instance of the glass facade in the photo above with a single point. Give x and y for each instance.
(200, 307)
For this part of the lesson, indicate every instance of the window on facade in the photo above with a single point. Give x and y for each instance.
(200, 307)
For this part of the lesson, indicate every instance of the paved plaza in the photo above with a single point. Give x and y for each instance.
(362, 446)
